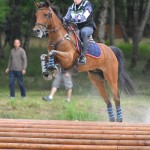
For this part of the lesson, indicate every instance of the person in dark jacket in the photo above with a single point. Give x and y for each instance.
(81, 13)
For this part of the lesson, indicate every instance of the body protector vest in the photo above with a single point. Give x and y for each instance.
(82, 14)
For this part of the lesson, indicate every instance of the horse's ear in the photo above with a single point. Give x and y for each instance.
(37, 4)
(48, 3)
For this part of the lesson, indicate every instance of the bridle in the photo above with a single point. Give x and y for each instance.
(49, 16)
(47, 31)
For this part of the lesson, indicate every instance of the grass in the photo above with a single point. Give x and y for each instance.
(83, 107)
(34, 108)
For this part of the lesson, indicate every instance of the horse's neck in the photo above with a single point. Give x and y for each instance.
(66, 50)
(59, 34)
(56, 35)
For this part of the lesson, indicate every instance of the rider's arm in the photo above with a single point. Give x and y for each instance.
(67, 17)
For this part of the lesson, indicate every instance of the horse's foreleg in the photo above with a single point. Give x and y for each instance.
(58, 54)
(63, 57)
(100, 84)
(44, 66)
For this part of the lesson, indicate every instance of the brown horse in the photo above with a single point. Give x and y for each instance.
(108, 67)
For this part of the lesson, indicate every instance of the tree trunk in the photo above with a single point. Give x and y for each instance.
(1, 49)
(102, 20)
(62, 10)
(147, 66)
(125, 35)
(121, 13)
(27, 40)
(29, 30)
(112, 22)
(138, 26)
(7, 30)
(129, 19)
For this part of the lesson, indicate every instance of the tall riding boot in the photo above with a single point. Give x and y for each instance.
(82, 58)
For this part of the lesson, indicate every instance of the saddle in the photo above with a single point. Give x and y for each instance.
(93, 49)
(73, 29)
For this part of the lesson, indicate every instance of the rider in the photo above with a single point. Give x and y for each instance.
(81, 13)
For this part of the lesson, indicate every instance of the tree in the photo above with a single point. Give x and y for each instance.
(112, 22)
(147, 66)
(1, 49)
(4, 10)
(21, 20)
(121, 8)
(102, 14)
(28, 22)
(15, 16)
(141, 11)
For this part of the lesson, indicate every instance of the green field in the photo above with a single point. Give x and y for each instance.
(86, 104)
(82, 107)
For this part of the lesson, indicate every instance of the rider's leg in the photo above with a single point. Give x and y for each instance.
(85, 32)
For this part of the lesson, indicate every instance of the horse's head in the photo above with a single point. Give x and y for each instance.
(43, 19)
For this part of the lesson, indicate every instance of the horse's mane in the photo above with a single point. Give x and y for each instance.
(56, 11)
(53, 7)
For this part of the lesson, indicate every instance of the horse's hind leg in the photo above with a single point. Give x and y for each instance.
(112, 78)
(100, 84)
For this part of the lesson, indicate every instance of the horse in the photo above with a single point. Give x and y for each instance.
(109, 67)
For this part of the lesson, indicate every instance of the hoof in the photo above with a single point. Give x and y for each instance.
(112, 120)
(45, 74)
(119, 120)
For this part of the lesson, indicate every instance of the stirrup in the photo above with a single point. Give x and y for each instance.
(82, 60)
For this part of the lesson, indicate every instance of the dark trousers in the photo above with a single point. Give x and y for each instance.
(19, 76)
(85, 32)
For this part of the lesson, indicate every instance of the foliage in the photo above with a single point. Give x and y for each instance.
(144, 49)
(4, 10)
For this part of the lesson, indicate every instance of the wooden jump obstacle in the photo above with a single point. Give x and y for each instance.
(73, 135)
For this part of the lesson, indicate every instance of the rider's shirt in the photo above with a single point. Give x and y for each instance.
(81, 14)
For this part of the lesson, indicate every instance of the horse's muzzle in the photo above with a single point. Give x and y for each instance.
(39, 31)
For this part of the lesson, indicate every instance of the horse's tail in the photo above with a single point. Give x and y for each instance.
(124, 78)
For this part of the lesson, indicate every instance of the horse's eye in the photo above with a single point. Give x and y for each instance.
(46, 15)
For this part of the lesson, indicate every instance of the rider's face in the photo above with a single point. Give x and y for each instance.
(77, 1)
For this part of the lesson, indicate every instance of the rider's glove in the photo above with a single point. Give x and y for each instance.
(66, 21)
(74, 20)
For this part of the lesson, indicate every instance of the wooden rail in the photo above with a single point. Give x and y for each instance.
(73, 135)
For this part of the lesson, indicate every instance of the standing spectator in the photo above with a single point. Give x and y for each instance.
(17, 68)
(64, 77)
